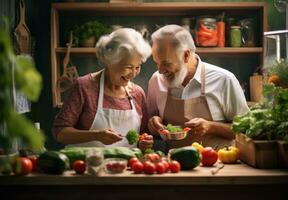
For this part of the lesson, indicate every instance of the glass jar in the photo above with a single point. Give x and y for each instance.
(230, 21)
(206, 32)
(247, 31)
(235, 36)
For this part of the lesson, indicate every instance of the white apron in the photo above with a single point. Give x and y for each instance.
(120, 120)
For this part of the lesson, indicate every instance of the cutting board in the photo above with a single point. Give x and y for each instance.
(22, 33)
(256, 87)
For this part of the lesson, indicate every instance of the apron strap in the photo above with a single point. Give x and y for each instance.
(130, 99)
(101, 90)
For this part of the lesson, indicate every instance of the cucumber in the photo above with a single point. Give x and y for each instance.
(79, 153)
(53, 162)
(188, 157)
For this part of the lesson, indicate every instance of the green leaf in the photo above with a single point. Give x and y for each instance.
(27, 77)
(20, 127)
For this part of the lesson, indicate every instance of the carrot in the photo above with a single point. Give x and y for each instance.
(205, 29)
(221, 34)
(210, 42)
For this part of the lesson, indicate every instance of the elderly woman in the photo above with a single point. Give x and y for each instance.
(105, 105)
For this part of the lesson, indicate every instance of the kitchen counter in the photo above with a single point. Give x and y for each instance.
(239, 180)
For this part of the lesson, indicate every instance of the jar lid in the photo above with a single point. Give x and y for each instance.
(207, 19)
(235, 27)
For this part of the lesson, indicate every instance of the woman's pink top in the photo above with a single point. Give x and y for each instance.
(80, 108)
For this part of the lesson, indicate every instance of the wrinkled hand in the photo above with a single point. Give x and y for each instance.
(199, 126)
(145, 142)
(108, 136)
(155, 125)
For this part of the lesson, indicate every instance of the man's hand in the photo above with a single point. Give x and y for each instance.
(199, 126)
(155, 125)
(108, 136)
(145, 142)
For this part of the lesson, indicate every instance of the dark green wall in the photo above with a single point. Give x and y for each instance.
(38, 21)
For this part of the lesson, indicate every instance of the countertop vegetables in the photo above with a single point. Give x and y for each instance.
(22, 166)
(229, 155)
(79, 166)
(132, 137)
(197, 146)
(208, 156)
(188, 157)
(53, 162)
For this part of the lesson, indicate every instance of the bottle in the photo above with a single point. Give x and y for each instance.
(235, 36)
(37, 126)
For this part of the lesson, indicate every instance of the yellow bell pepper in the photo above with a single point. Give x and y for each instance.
(229, 155)
(197, 146)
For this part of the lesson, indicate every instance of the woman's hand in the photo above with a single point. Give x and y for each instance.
(108, 136)
(145, 141)
(155, 125)
(199, 126)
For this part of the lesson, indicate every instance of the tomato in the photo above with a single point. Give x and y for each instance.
(34, 159)
(164, 132)
(209, 156)
(149, 167)
(153, 157)
(79, 166)
(160, 168)
(166, 165)
(143, 136)
(137, 167)
(132, 161)
(174, 166)
(23, 166)
(186, 129)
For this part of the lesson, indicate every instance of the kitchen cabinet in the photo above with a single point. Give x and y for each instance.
(236, 181)
(242, 61)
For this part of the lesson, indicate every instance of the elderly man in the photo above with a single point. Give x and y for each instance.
(188, 92)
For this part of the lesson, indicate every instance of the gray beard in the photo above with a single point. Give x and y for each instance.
(178, 78)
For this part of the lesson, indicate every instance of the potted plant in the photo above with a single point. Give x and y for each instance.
(28, 81)
(264, 129)
(87, 34)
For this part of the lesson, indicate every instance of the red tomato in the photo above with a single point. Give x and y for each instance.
(186, 129)
(174, 166)
(149, 167)
(137, 167)
(79, 166)
(164, 132)
(34, 159)
(23, 166)
(160, 168)
(153, 157)
(166, 165)
(208, 156)
(132, 160)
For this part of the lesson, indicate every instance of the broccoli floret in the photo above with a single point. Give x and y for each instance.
(132, 137)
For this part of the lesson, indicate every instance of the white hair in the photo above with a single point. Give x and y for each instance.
(181, 39)
(113, 48)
